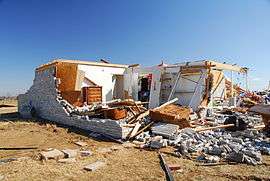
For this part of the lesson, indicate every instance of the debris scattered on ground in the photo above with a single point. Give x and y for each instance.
(85, 153)
(67, 160)
(53, 154)
(6, 160)
(70, 153)
(95, 166)
(81, 143)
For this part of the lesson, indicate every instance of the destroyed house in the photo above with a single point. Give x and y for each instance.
(63, 89)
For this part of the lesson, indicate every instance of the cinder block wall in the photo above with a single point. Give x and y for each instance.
(43, 96)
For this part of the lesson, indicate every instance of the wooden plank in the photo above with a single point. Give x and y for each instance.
(222, 66)
(143, 129)
(214, 127)
(135, 130)
(169, 176)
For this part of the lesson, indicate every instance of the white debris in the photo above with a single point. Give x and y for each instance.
(94, 166)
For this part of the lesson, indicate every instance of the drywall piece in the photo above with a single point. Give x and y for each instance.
(197, 96)
(79, 80)
(155, 89)
(131, 83)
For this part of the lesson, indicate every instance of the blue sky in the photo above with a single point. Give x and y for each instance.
(33, 32)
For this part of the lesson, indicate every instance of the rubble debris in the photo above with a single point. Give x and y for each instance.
(164, 129)
(85, 153)
(157, 142)
(239, 123)
(208, 158)
(239, 146)
(95, 166)
(53, 154)
(67, 160)
(200, 132)
(135, 130)
(263, 110)
(69, 153)
(81, 143)
(7, 160)
(115, 113)
(2, 177)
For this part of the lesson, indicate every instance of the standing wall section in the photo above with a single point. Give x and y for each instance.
(45, 98)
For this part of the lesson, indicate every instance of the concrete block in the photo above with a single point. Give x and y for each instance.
(53, 154)
(70, 153)
(164, 129)
(94, 166)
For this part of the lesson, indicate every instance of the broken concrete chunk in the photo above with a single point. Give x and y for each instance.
(67, 160)
(164, 129)
(85, 153)
(81, 143)
(208, 158)
(70, 153)
(94, 166)
(157, 142)
(53, 154)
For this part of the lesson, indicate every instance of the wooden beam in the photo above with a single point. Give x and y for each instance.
(223, 66)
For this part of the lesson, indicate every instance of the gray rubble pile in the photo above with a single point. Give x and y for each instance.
(246, 146)
(241, 147)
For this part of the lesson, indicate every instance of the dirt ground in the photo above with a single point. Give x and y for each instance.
(123, 164)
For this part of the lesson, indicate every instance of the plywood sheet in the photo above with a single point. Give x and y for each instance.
(73, 97)
(67, 73)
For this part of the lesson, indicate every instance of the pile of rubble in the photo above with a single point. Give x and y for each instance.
(212, 135)
(226, 135)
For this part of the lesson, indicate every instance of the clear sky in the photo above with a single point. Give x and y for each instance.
(33, 32)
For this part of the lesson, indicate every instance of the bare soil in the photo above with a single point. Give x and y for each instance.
(124, 164)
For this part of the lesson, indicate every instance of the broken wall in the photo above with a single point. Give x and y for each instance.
(189, 84)
(45, 98)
